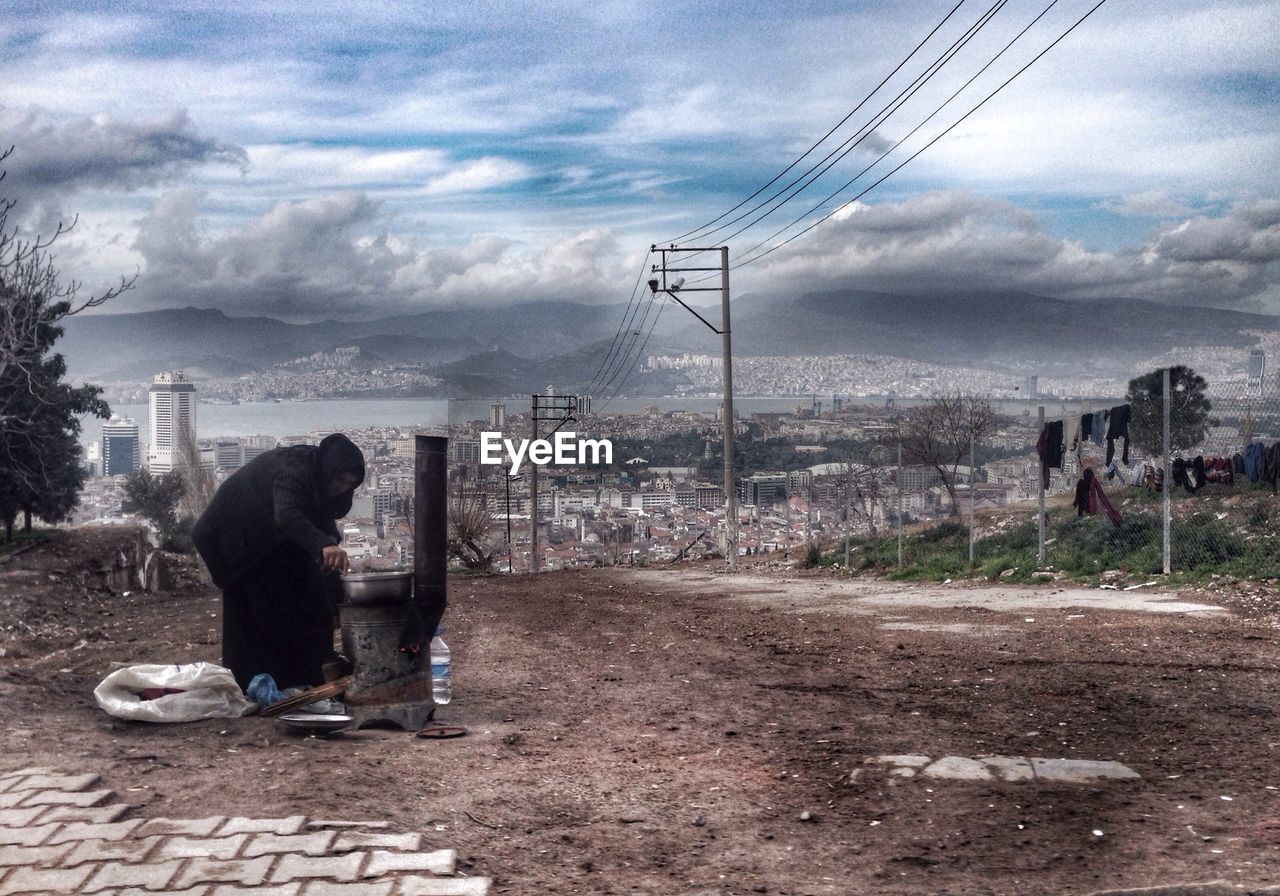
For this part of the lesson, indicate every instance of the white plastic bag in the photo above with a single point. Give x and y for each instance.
(209, 691)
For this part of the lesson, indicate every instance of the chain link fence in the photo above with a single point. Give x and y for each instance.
(1187, 486)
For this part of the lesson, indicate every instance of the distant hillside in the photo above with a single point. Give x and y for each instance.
(986, 328)
(526, 346)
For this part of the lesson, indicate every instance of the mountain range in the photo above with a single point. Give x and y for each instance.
(491, 350)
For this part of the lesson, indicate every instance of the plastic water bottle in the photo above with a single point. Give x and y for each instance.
(441, 678)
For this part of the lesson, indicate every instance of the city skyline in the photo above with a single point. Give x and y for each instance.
(301, 164)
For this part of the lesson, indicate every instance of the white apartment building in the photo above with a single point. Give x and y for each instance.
(172, 404)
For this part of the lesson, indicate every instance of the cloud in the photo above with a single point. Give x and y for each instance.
(1149, 204)
(1248, 235)
(946, 241)
(335, 256)
(481, 174)
(331, 256)
(63, 155)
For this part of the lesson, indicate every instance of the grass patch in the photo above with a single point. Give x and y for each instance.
(21, 538)
(1209, 537)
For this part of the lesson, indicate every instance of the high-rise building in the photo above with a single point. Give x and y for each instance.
(255, 445)
(381, 499)
(121, 452)
(763, 489)
(93, 459)
(1257, 368)
(172, 400)
(228, 454)
(497, 416)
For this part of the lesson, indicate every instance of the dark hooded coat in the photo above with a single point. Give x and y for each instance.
(262, 538)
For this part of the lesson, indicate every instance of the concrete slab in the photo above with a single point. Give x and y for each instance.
(948, 628)
(1018, 769)
(1081, 771)
(958, 768)
(872, 596)
(1009, 768)
(909, 760)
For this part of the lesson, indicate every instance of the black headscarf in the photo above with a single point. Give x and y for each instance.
(337, 455)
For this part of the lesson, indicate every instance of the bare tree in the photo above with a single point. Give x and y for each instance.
(201, 482)
(38, 412)
(938, 435)
(469, 523)
(865, 491)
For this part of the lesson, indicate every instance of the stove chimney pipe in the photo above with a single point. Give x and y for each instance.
(430, 527)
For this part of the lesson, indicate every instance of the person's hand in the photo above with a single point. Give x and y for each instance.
(334, 559)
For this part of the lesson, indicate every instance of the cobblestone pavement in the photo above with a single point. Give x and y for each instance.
(63, 833)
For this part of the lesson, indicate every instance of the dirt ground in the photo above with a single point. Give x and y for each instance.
(681, 732)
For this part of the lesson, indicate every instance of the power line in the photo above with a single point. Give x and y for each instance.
(861, 103)
(876, 120)
(950, 128)
(621, 359)
(639, 355)
(622, 323)
(898, 143)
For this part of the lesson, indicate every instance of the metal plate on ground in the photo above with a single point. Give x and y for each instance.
(311, 721)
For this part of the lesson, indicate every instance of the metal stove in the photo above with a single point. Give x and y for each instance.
(389, 686)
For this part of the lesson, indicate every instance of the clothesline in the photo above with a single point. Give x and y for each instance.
(1257, 461)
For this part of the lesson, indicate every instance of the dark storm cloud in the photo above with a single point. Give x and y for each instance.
(332, 257)
(64, 155)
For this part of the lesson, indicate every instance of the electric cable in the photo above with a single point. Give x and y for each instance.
(622, 358)
(819, 142)
(847, 203)
(866, 130)
(639, 355)
(622, 323)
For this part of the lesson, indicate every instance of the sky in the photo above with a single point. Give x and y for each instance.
(324, 160)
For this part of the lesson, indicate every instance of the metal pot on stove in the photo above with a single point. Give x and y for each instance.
(392, 586)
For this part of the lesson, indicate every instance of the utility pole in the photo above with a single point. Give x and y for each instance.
(1041, 469)
(848, 515)
(533, 494)
(972, 497)
(660, 284)
(511, 563)
(557, 409)
(899, 498)
(1166, 542)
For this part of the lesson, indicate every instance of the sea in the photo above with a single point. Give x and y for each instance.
(296, 418)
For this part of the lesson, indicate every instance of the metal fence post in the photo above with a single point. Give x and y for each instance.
(1168, 479)
(1040, 468)
(972, 498)
(899, 499)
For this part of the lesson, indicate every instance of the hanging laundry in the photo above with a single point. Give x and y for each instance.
(1090, 496)
(1254, 454)
(1271, 465)
(1153, 477)
(1198, 473)
(1085, 502)
(1219, 470)
(1114, 470)
(1086, 427)
(1049, 447)
(1139, 475)
(1099, 427)
(1184, 474)
(1237, 464)
(1071, 434)
(1118, 428)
